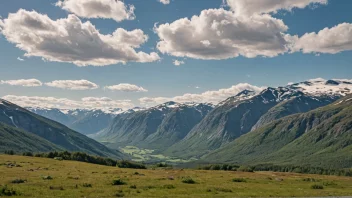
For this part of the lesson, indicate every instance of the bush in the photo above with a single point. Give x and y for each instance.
(311, 180)
(4, 191)
(56, 188)
(317, 186)
(188, 180)
(119, 193)
(169, 186)
(246, 169)
(118, 182)
(128, 164)
(28, 154)
(10, 152)
(238, 180)
(47, 177)
(87, 185)
(133, 186)
(18, 181)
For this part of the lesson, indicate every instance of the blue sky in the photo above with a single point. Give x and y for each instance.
(162, 78)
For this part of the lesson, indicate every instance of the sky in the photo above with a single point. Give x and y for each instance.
(121, 54)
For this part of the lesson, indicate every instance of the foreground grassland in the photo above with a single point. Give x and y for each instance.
(76, 179)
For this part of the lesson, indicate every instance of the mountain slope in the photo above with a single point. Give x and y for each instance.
(15, 139)
(300, 104)
(54, 132)
(228, 121)
(156, 128)
(322, 137)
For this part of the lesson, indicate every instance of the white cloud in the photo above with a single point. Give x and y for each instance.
(250, 7)
(206, 97)
(164, 1)
(72, 41)
(20, 59)
(64, 103)
(23, 82)
(73, 84)
(329, 40)
(107, 9)
(219, 34)
(125, 87)
(178, 62)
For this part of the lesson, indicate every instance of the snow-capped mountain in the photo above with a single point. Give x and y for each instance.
(85, 121)
(326, 87)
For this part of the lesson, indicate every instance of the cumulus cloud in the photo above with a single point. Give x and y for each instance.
(23, 82)
(125, 87)
(73, 84)
(178, 62)
(220, 34)
(206, 97)
(64, 103)
(329, 40)
(73, 41)
(250, 7)
(107, 9)
(164, 1)
(20, 59)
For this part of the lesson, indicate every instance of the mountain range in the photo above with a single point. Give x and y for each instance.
(85, 121)
(300, 123)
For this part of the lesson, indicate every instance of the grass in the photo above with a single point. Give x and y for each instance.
(70, 176)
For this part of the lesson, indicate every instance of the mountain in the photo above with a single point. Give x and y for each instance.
(242, 113)
(12, 138)
(321, 137)
(52, 131)
(85, 121)
(300, 104)
(155, 128)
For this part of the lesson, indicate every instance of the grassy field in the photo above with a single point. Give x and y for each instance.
(76, 179)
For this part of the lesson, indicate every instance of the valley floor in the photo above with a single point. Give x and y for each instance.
(76, 179)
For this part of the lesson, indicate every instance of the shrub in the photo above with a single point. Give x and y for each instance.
(29, 154)
(4, 191)
(47, 177)
(87, 185)
(10, 152)
(311, 180)
(188, 180)
(169, 186)
(246, 169)
(133, 186)
(18, 181)
(56, 188)
(128, 164)
(317, 186)
(118, 182)
(238, 180)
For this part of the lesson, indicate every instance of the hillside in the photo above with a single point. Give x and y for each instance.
(17, 140)
(52, 131)
(322, 137)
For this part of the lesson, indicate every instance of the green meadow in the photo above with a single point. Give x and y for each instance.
(42, 177)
